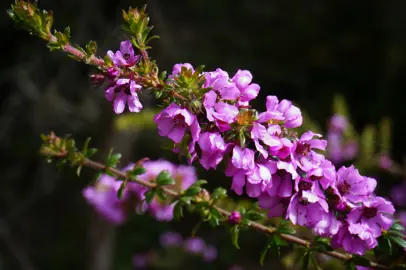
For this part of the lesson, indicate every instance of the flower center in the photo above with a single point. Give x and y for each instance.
(179, 121)
(304, 201)
(126, 56)
(285, 201)
(305, 185)
(370, 212)
(303, 148)
(315, 177)
(344, 188)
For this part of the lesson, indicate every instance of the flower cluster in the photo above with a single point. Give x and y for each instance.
(173, 240)
(267, 160)
(103, 195)
(121, 90)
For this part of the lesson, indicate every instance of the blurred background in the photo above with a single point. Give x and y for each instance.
(328, 57)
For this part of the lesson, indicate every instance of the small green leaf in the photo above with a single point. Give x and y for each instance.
(235, 231)
(192, 191)
(400, 241)
(178, 211)
(149, 195)
(120, 191)
(161, 194)
(252, 215)
(287, 230)
(397, 227)
(263, 254)
(219, 193)
(164, 178)
(138, 171)
(241, 137)
(306, 260)
(79, 170)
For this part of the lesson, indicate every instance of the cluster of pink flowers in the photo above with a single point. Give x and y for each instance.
(103, 195)
(266, 159)
(171, 240)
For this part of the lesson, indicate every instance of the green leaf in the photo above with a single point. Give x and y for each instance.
(254, 215)
(161, 194)
(192, 191)
(149, 195)
(287, 230)
(219, 193)
(178, 211)
(164, 178)
(322, 244)
(120, 191)
(397, 227)
(241, 137)
(263, 254)
(91, 48)
(306, 260)
(400, 241)
(79, 170)
(384, 245)
(235, 231)
(350, 265)
(138, 171)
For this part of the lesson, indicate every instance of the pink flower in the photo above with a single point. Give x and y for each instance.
(125, 56)
(305, 155)
(355, 239)
(281, 111)
(213, 147)
(376, 213)
(220, 82)
(124, 91)
(352, 186)
(242, 80)
(174, 121)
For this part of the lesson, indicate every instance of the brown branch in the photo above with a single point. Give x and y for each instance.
(94, 60)
(254, 225)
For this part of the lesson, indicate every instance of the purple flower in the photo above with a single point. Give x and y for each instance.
(352, 186)
(194, 245)
(220, 82)
(325, 174)
(140, 260)
(184, 176)
(234, 218)
(355, 239)
(261, 133)
(306, 209)
(276, 112)
(124, 91)
(376, 213)
(209, 253)
(328, 225)
(160, 210)
(385, 162)
(103, 197)
(224, 114)
(398, 194)
(174, 121)
(178, 68)
(243, 158)
(304, 153)
(125, 56)
(338, 123)
(277, 205)
(213, 148)
(242, 80)
(170, 239)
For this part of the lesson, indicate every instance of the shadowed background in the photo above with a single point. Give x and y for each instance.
(302, 51)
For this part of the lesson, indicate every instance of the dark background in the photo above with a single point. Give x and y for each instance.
(305, 51)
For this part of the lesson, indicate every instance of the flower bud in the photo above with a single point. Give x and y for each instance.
(234, 218)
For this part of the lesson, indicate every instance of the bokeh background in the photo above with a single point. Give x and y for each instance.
(305, 51)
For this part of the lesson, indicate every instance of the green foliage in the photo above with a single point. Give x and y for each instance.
(137, 25)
